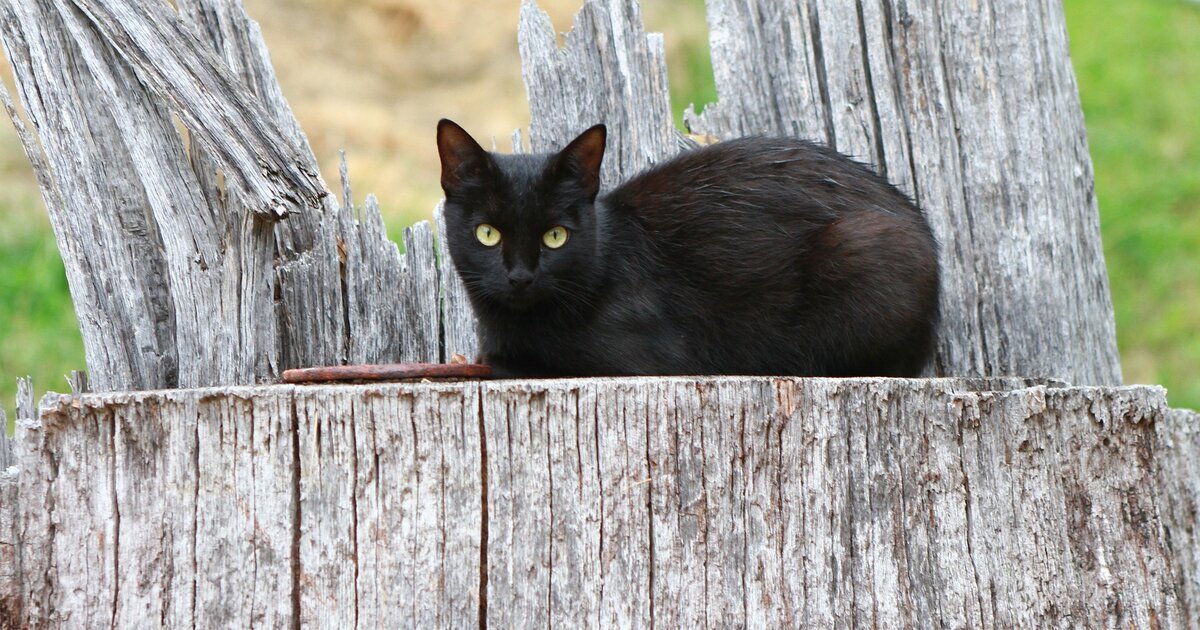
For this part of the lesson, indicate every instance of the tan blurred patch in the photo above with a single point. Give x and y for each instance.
(374, 77)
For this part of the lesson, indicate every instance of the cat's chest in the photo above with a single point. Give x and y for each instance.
(619, 336)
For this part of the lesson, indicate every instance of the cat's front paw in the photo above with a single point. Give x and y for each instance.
(504, 371)
(508, 368)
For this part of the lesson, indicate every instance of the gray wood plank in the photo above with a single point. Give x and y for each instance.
(245, 509)
(159, 584)
(81, 500)
(5, 442)
(609, 71)
(277, 176)
(713, 501)
(10, 565)
(164, 255)
(125, 317)
(1178, 472)
(457, 319)
(328, 516)
(32, 529)
(519, 507)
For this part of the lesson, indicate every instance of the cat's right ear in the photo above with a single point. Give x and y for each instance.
(583, 157)
(461, 156)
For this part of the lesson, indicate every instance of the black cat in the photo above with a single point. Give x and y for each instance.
(751, 256)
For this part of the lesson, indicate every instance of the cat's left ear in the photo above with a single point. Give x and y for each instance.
(583, 157)
(461, 156)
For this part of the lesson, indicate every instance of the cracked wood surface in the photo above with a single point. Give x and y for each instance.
(177, 278)
(12, 565)
(707, 502)
(1178, 468)
(275, 174)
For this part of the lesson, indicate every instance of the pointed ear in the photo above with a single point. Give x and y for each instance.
(462, 157)
(583, 157)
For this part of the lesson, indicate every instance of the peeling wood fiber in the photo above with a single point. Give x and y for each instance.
(710, 502)
(165, 153)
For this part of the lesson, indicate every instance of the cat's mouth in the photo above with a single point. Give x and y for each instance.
(520, 299)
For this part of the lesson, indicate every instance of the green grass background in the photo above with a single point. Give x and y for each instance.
(1138, 65)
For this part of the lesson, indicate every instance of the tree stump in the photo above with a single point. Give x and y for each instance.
(210, 259)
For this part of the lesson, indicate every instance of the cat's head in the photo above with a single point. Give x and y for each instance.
(522, 228)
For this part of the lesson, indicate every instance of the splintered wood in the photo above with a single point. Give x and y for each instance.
(166, 153)
(711, 502)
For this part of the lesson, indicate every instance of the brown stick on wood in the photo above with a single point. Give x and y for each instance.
(386, 372)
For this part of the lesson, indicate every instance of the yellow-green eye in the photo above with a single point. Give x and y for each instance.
(487, 235)
(555, 237)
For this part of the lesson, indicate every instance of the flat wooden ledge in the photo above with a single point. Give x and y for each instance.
(56, 404)
(709, 501)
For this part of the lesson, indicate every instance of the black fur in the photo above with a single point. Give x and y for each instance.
(751, 256)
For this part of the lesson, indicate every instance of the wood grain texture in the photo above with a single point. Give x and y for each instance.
(711, 502)
(132, 108)
(458, 320)
(1178, 470)
(11, 611)
(14, 528)
(973, 110)
(245, 512)
(277, 176)
(610, 70)
(13, 562)
(124, 317)
(294, 313)
(5, 442)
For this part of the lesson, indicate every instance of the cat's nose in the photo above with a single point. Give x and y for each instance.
(520, 279)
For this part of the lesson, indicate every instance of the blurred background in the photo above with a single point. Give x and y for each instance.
(372, 77)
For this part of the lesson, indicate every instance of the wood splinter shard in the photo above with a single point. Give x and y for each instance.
(184, 72)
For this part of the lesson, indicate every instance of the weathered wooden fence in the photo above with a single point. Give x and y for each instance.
(214, 258)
